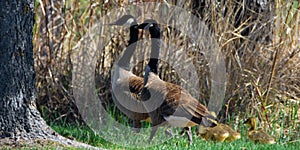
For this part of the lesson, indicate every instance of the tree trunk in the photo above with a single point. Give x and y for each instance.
(19, 118)
(18, 114)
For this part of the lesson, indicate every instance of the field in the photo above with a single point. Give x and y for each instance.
(258, 42)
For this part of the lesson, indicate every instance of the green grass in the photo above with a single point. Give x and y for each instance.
(86, 135)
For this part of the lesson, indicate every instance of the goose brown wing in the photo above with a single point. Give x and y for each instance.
(127, 98)
(132, 87)
(136, 85)
(176, 100)
(185, 105)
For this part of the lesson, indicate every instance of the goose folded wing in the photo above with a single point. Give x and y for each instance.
(176, 99)
(127, 96)
(184, 105)
(131, 87)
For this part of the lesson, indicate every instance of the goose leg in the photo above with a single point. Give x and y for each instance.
(154, 129)
(182, 131)
(189, 134)
(157, 121)
(168, 132)
(136, 124)
(154, 126)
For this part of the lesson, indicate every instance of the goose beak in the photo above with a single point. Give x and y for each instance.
(126, 20)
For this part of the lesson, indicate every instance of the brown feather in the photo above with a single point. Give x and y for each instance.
(136, 84)
(128, 98)
(175, 100)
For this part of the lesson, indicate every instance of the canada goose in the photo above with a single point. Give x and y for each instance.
(258, 136)
(127, 86)
(169, 103)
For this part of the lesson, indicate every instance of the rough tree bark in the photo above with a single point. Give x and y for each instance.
(19, 118)
(17, 101)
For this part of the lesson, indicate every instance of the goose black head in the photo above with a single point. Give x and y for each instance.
(151, 26)
(129, 21)
(126, 20)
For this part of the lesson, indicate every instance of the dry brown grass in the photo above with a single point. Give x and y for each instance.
(260, 44)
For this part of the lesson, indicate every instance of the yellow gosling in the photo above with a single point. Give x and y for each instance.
(258, 136)
(216, 133)
(233, 135)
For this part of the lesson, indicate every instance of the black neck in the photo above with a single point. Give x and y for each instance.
(124, 61)
(153, 63)
(155, 49)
